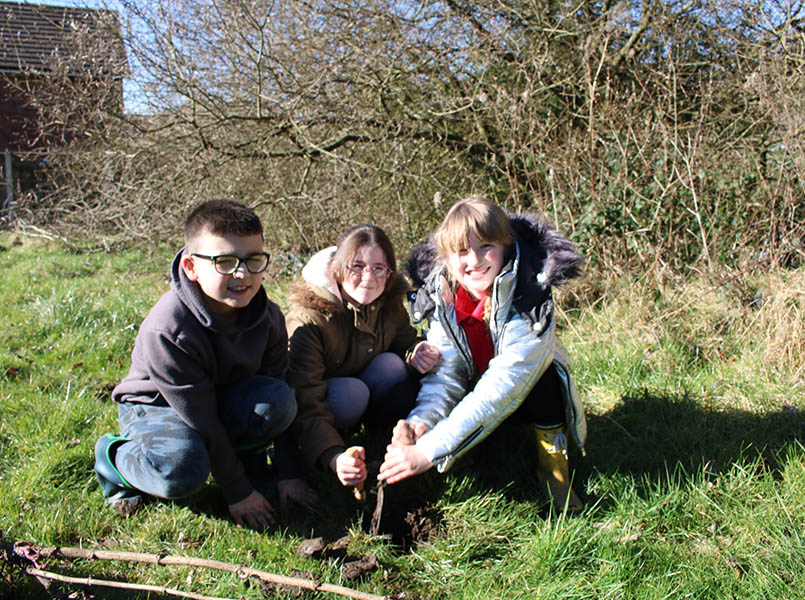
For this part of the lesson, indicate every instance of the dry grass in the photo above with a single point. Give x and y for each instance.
(780, 323)
(736, 338)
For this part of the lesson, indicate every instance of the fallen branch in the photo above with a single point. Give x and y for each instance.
(39, 555)
(140, 587)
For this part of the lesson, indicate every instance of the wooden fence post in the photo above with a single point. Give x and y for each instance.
(7, 206)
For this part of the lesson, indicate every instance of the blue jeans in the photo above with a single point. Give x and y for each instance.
(384, 391)
(168, 459)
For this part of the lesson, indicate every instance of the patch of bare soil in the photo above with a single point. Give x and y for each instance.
(423, 523)
(407, 520)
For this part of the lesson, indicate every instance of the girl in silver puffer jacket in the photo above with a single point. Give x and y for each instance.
(487, 296)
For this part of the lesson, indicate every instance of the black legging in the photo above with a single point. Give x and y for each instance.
(544, 405)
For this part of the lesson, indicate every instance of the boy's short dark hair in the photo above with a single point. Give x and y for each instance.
(221, 217)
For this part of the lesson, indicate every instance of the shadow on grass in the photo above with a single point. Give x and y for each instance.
(644, 436)
(648, 432)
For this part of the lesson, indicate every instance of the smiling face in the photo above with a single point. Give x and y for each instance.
(365, 287)
(223, 294)
(476, 266)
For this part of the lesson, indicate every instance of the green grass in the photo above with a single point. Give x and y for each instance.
(694, 471)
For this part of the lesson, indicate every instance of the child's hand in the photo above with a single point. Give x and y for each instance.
(406, 433)
(402, 462)
(351, 471)
(253, 511)
(296, 490)
(425, 357)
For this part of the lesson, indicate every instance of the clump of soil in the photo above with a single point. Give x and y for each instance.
(312, 548)
(356, 569)
(338, 548)
(317, 548)
(352, 569)
(423, 523)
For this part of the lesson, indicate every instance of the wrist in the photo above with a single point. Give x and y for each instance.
(333, 464)
(326, 458)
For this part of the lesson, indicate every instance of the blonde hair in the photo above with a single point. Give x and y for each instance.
(477, 216)
(474, 215)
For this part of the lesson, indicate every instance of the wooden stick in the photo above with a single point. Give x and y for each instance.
(91, 581)
(357, 491)
(241, 571)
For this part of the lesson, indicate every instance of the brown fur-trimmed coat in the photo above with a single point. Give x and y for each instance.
(332, 338)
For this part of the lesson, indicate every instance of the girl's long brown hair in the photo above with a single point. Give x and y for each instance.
(353, 239)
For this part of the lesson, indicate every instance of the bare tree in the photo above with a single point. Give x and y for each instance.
(654, 130)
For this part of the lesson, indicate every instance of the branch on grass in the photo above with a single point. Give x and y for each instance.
(38, 232)
(39, 555)
(140, 587)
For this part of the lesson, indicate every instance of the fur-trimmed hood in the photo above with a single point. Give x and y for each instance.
(318, 290)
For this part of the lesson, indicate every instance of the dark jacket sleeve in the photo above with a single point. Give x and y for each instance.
(275, 357)
(314, 427)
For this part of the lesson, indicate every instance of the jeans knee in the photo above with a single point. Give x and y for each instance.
(277, 412)
(285, 406)
(385, 370)
(182, 478)
(347, 398)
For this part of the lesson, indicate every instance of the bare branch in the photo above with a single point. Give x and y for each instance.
(39, 554)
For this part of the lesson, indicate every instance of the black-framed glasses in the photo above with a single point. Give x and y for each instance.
(226, 264)
(378, 272)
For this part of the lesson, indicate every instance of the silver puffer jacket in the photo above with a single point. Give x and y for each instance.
(462, 407)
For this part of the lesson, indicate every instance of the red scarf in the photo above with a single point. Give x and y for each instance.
(470, 315)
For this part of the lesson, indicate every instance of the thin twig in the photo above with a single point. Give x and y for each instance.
(619, 426)
(124, 585)
(38, 232)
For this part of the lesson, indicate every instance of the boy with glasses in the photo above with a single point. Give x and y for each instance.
(206, 391)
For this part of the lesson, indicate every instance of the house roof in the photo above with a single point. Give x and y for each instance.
(32, 35)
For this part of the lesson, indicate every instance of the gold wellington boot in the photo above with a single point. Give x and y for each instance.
(553, 470)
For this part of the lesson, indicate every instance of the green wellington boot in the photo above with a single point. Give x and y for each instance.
(553, 470)
(119, 493)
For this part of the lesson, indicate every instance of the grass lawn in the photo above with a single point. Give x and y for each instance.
(693, 475)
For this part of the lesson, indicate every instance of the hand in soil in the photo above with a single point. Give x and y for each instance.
(296, 491)
(253, 511)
